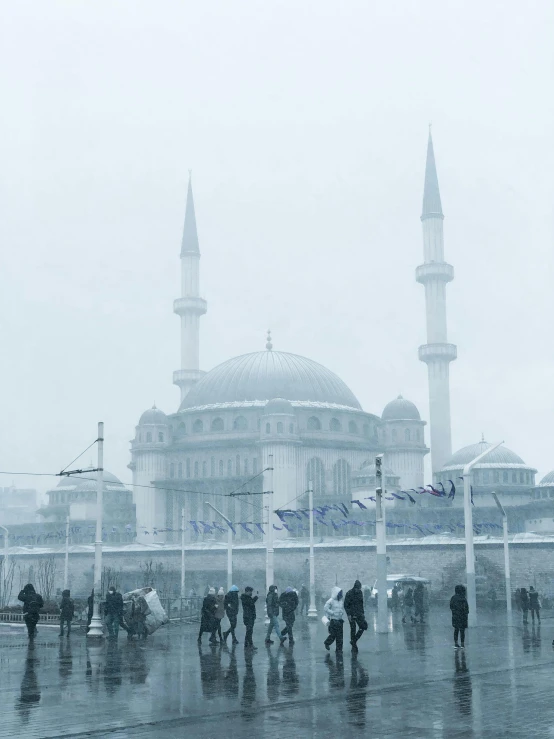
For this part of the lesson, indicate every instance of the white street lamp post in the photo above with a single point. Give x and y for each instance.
(183, 594)
(229, 545)
(381, 542)
(6, 559)
(66, 562)
(95, 630)
(269, 572)
(312, 611)
(468, 524)
(506, 556)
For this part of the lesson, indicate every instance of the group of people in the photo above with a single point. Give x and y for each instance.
(412, 602)
(528, 600)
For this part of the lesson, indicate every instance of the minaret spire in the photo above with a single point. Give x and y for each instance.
(437, 353)
(190, 306)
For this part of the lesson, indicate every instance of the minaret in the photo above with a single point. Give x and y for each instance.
(437, 353)
(190, 306)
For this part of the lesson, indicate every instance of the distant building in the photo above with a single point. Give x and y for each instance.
(18, 505)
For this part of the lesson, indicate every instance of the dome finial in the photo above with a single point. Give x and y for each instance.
(483, 438)
(269, 345)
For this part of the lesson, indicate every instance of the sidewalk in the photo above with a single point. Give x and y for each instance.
(411, 683)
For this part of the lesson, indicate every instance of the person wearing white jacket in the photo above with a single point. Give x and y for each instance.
(334, 610)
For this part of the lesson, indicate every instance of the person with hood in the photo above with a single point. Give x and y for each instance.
(67, 611)
(408, 606)
(90, 609)
(219, 613)
(207, 619)
(419, 602)
(524, 598)
(334, 610)
(272, 607)
(32, 603)
(304, 599)
(460, 610)
(354, 608)
(248, 614)
(534, 605)
(231, 605)
(395, 598)
(289, 603)
(114, 611)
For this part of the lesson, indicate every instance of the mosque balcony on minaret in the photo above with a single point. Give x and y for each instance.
(187, 375)
(441, 271)
(437, 352)
(185, 306)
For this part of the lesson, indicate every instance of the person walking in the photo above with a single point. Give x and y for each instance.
(272, 608)
(67, 611)
(524, 598)
(408, 606)
(113, 611)
(304, 599)
(534, 604)
(354, 608)
(207, 618)
(419, 602)
(289, 603)
(90, 609)
(32, 603)
(395, 598)
(334, 611)
(219, 613)
(517, 599)
(460, 610)
(231, 605)
(248, 614)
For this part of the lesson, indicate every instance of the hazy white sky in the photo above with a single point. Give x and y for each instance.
(305, 125)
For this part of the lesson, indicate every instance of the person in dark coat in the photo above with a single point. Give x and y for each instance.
(419, 602)
(304, 599)
(460, 610)
(219, 613)
(32, 604)
(354, 607)
(288, 603)
(524, 598)
(272, 608)
(90, 609)
(534, 605)
(231, 605)
(249, 614)
(207, 620)
(113, 611)
(67, 611)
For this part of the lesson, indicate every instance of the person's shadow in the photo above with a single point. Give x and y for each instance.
(462, 683)
(273, 674)
(210, 671)
(356, 696)
(248, 687)
(66, 661)
(112, 668)
(336, 671)
(291, 683)
(30, 689)
(230, 684)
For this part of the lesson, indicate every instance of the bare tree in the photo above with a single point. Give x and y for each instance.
(6, 581)
(46, 575)
(110, 576)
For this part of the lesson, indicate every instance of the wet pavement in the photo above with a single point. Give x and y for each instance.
(411, 683)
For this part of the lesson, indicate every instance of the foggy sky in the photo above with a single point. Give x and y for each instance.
(305, 125)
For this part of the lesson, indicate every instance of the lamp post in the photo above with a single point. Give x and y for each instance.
(95, 630)
(66, 562)
(312, 611)
(6, 558)
(269, 572)
(183, 594)
(506, 556)
(381, 542)
(468, 524)
(229, 545)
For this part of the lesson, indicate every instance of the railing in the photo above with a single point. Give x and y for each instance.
(183, 609)
(17, 617)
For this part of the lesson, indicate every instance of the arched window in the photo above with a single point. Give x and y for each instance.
(139, 438)
(315, 472)
(353, 427)
(291, 428)
(148, 437)
(182, 429)
(279, 427)
(335, 425)
(407, 435)
(341, 478)
(505, 476)
(514, 477)
(255, 466)
(486, 477)
(229, 468)
(314, 424)
(259, 424)
(268, 428)
(221, 468)
(240, 423)
(160, 436)
(393, 435)
(204, 469)
(521, 479)
(180, 470)
(245, 466)
(187, 467)
(172, 470)
(496, 476)
(217, 424)
(237, 465)
(418, 434)
(196, 469)
(197, 427)
(212, 466)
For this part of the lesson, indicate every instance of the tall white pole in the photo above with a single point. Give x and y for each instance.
(95, 630)
(468, 524)
(66, 563)
(6, 559)
(183, 594)
(269, 573)
(312, 611)
(381, 541)
(506, 556)
(229, 545)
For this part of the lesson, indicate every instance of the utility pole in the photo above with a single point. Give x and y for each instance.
(183, 594)
(229, 544)
(381, 548)
(506, 556)
(66, 563)
(312, 611)
(95, 630)
(269, 572)
(6, 561)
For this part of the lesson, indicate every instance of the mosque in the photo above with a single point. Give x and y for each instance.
(215, 451)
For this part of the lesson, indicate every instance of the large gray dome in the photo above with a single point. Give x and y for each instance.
(548, 479)
(502, 455)
(263, 376)
(400, 409)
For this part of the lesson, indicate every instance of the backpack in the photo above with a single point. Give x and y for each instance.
(34, 604)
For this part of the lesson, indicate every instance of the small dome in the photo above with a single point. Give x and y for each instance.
(502, 455)
(400, 409)
(548, 479)
(278, 405)
(87, 481)
(153, 415)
